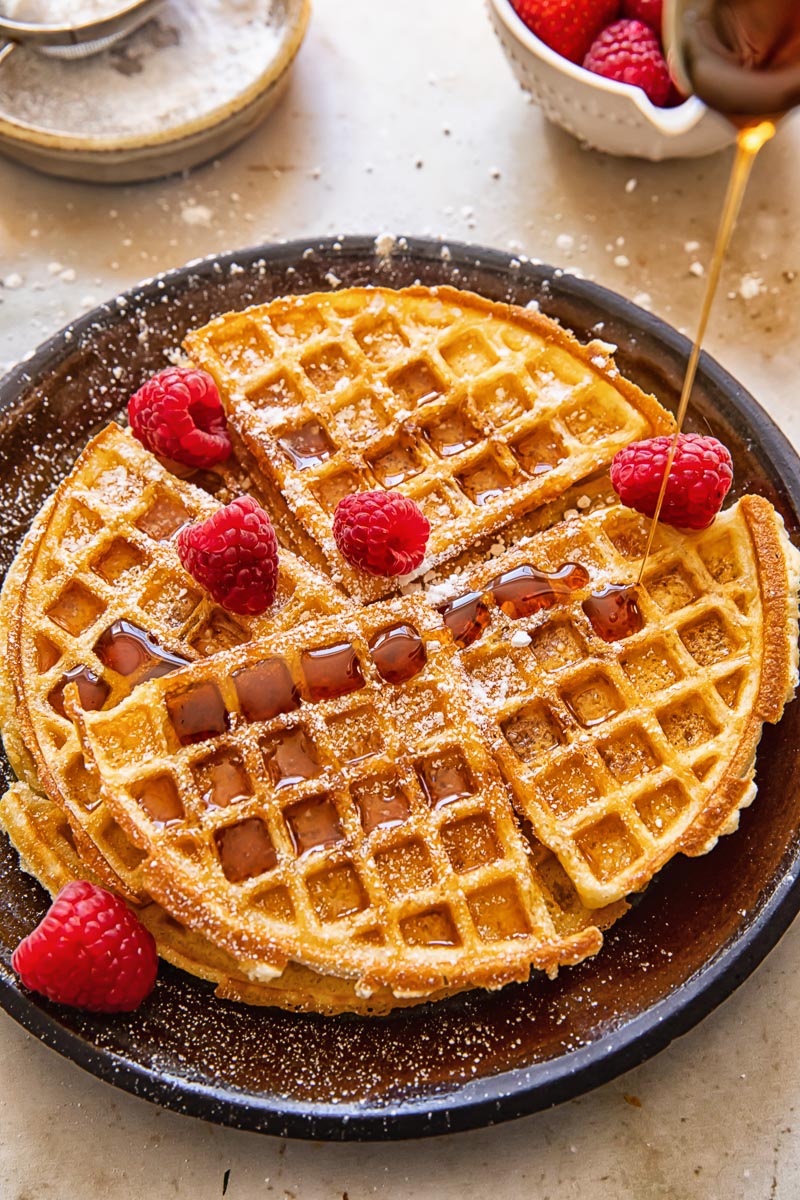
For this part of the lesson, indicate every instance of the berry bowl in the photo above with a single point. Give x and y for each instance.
(609, 116)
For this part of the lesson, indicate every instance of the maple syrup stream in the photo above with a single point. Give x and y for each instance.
(749, 141)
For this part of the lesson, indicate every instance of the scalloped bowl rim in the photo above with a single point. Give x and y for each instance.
(670, 121)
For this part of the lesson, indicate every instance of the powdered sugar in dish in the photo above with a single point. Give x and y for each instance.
(156, 80)
(60, 12)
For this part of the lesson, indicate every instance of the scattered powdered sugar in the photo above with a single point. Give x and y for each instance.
(185, 64)
(196, 214)
(750, 286)
(384, 245)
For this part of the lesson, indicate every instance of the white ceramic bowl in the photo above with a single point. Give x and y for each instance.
(600, 112)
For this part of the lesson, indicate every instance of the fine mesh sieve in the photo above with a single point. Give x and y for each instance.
(77, 40)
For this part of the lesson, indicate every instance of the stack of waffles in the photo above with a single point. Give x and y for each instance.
(382, 791)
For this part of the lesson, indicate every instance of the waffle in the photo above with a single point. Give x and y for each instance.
(367, 839)
(470, 779)
(476, 410)
(623, 753)
(100, 554)
(41, 834)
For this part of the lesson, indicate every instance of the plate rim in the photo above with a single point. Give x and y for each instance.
(519, 1091)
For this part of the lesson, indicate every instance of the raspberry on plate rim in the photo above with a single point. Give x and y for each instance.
(89, 951)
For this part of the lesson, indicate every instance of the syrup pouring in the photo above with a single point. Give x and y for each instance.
(742, 58)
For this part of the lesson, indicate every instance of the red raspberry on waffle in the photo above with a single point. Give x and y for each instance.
(700, 478)
(178, 415)
(234, 555)
(383, 533)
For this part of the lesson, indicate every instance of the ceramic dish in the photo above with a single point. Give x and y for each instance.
(701, 927)
(602, 113)
(154, 107)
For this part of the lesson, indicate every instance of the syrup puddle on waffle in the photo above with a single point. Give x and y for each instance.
(362, 799)
(524, 591)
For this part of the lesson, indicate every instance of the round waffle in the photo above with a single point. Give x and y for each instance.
(345, 808)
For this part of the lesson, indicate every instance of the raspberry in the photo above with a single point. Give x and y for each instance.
(234, 556)
(629, 52)
(651, 12)
(701, 475)
(383, 533)
(567, 26)
(90, 951)
(178, 415)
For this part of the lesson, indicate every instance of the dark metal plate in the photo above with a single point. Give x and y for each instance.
(701, 928)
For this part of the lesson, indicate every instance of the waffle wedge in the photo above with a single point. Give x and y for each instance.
(372, 836)
(97, 596)
(476, 410)
(623, 753)
(41, 834)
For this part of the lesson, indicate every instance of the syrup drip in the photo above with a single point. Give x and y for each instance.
(313, 825)
(134, 654)
(381, 803)
(331, 672)
(290, 758)
(307, 446)
(227, 781)
(445, 777)
(452, 435)
(519, 593)
(160, 800)
(245, 850)
(398, 653)
(613, 612)
(197, 714)
(265, 690)
(92, 691)
(749, 141)
(466, 617)
(526, 590)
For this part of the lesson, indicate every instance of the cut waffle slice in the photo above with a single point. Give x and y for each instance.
(41, 835)
(294, 803)
(623, 753)
(476, 410)
(98, 597)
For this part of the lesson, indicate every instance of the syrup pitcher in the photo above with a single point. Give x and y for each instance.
(741, 58)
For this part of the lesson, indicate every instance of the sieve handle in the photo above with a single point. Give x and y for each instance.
(6, 48)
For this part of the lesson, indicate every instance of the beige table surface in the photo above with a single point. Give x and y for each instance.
(404, 117)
